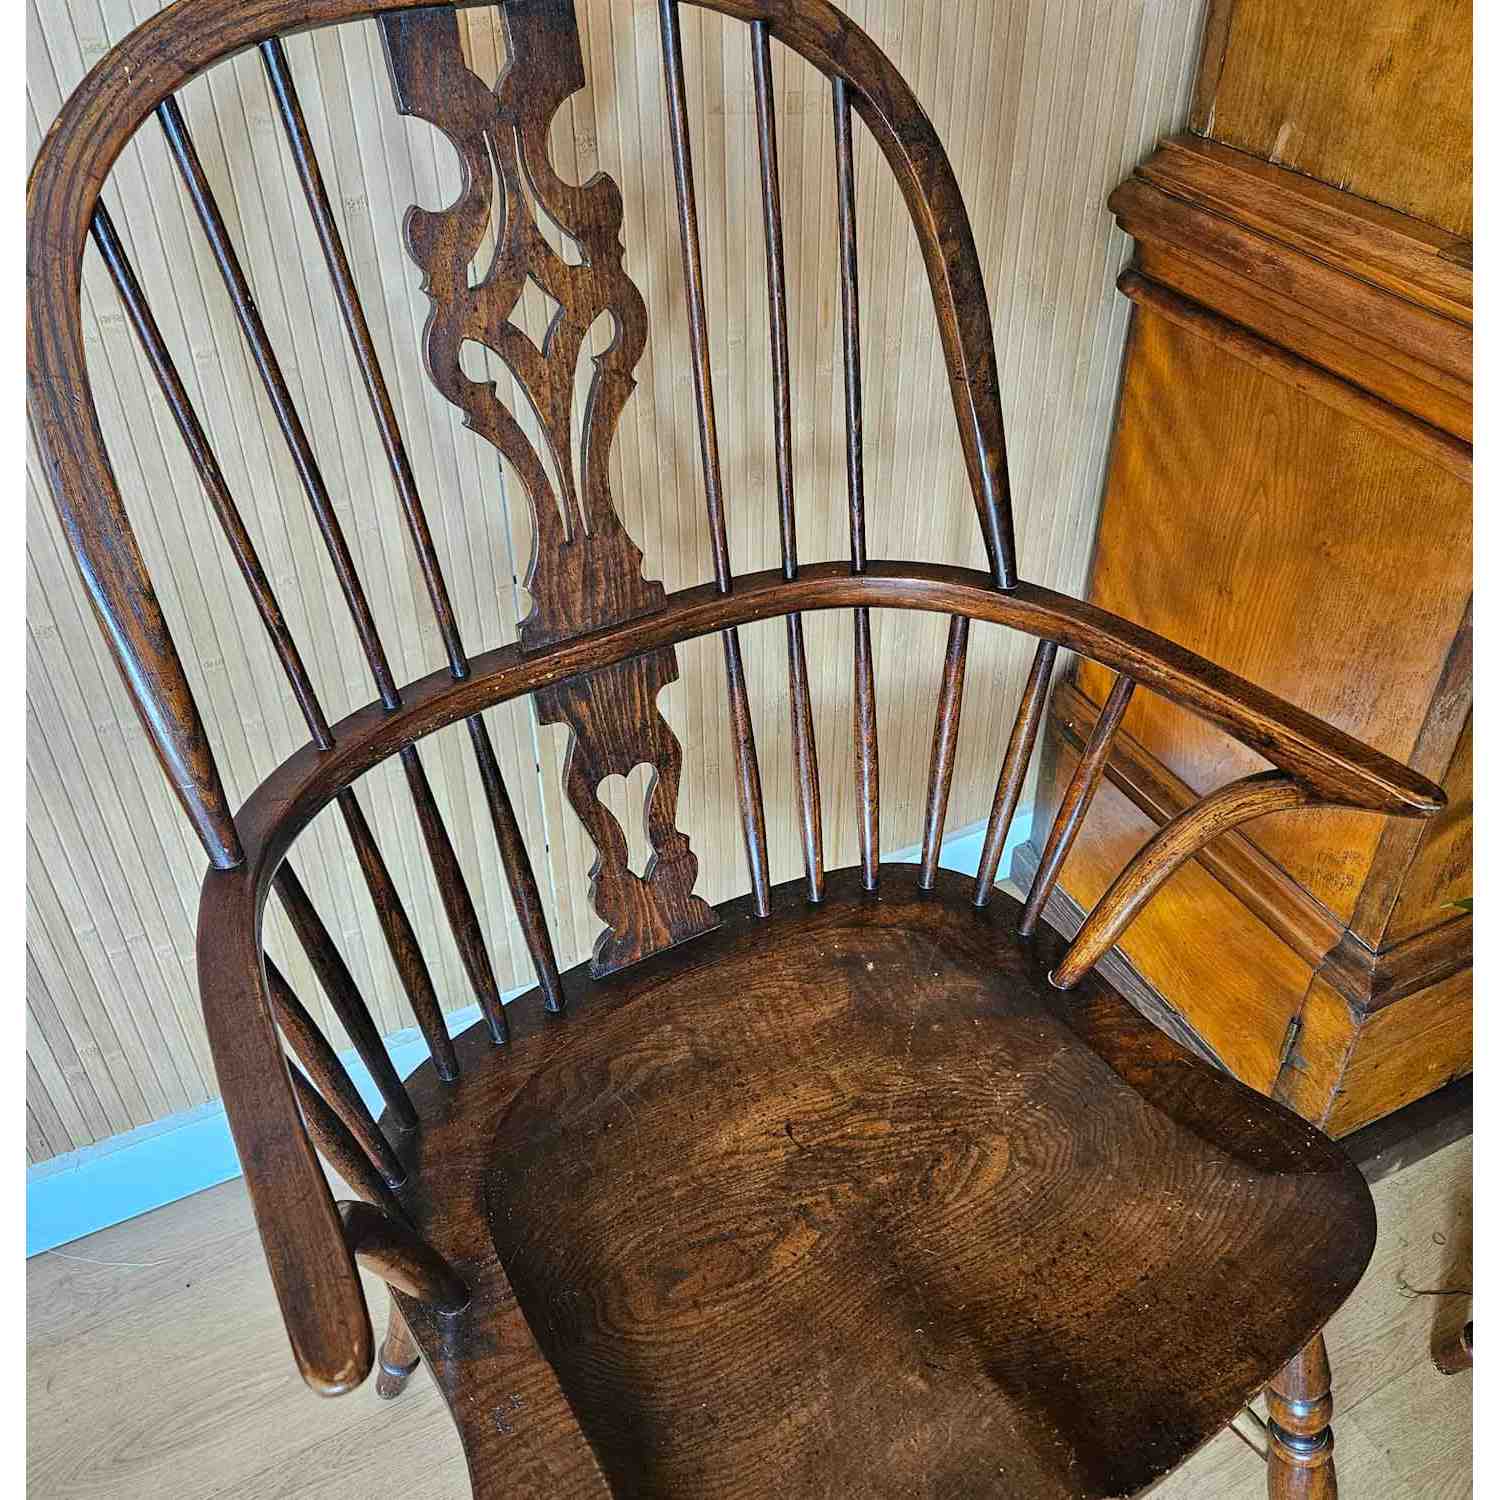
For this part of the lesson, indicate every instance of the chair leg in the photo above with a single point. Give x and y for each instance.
(1456, 1352)
(1300, 1466)
(398, 1357)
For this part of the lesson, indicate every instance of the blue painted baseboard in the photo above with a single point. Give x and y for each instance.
(76, 1194)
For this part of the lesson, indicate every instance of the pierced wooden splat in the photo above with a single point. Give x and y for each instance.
(585, 572)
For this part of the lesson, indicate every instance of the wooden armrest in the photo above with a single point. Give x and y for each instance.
(312, 1266)
(1335, 764)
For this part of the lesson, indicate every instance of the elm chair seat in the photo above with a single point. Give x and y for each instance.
(854, 1202)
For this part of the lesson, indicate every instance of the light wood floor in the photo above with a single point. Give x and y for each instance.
(157, 1368)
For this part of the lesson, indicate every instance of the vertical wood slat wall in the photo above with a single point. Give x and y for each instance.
(1044, 105)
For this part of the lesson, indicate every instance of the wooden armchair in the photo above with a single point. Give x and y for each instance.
(862, 1184)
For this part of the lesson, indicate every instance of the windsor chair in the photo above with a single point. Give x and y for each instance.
(866, 1183)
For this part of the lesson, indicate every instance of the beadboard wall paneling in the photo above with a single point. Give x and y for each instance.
(1044, 106)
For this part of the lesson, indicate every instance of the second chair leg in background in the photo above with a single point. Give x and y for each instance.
(398, 1357)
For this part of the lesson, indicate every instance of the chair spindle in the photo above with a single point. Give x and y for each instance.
(338, 1147)
(454, 890)
(747, 764)
(400, 936)
(457, 902)
(1012, 776)
(149, 335)
(322, 1066)
(1075, 802)
(309, 474)
(395, 924)
(804, 742)
(343, 994)
(944, 747)
(520, 878)
(866, 731)
(351, 309)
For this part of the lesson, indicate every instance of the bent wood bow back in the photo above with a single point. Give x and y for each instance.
(599, 645)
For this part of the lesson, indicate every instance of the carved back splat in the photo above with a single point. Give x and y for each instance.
(584, 571)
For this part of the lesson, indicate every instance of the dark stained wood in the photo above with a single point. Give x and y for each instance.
(457, 901)
(866, 750)
(149, 335)
(385, 1244)
(585, 571)
(343, 994)
(747, 779)
(170, 49)
(399, 1356)
(1241, 801)
(870, 1116)
(312, 1272)
(1012, 775)
(805, 759)
(454, 890)
(1456, 1353)
(944, 747)
(395, 924)
(114, 572)
(322, 1066)
(262, 1110)
(903, 1156)
(804, 741)
(781, 365)
(692, 272)
(519, 876)
(337, 1146)
(866, 731)
(258, 341)
(351, 309)
(400, 936)
(1064, 916)
(1075, 802)
(1337, 766)
(854, 408)
(1300, 1407)
(747, 764)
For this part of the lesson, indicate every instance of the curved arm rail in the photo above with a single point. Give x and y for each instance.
(1332, 763)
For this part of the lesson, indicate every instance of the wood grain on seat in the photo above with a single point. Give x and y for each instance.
(853, 1202)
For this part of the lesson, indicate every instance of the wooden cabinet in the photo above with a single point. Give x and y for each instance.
(1289, 493)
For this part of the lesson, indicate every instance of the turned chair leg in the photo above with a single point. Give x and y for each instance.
(1456, 1352)
(1301, 1407)
(398, 1357)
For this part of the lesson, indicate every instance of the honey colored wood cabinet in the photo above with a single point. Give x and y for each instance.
(1289, 492)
